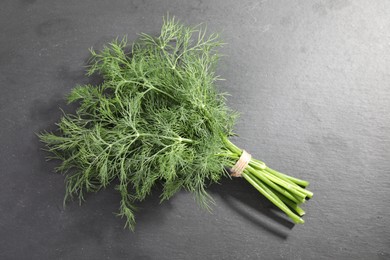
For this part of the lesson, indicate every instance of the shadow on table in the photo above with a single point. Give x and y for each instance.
(239, 195)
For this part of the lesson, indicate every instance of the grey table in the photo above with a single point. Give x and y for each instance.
(311, 80)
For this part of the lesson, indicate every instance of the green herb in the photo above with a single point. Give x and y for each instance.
(158, 118)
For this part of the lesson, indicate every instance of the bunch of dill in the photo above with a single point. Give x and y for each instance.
(156, 118)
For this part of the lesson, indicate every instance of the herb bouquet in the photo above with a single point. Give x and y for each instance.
(158, 118)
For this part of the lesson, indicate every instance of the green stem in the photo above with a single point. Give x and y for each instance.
(294, 206)
(260, 175)
(293, 188)
(272, 197)
(283, 191)
(180, 139)
(232, 147)
(290, 178)
(261, 166)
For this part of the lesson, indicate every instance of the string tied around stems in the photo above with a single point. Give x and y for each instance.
(241, 164)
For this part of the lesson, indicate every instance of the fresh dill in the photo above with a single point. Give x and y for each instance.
(158, 118)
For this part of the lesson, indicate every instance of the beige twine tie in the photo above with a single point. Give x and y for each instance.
(241, 164)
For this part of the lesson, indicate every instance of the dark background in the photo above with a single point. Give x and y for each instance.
(311, 80)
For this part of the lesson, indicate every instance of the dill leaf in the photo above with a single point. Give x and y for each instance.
(157, 117)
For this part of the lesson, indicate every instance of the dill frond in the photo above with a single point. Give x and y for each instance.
(156, 118)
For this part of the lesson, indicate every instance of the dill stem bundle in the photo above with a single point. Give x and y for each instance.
(157, 117)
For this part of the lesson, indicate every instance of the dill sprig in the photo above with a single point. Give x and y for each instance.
(157, 118)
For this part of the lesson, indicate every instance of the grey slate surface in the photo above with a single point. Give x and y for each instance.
(311, 80)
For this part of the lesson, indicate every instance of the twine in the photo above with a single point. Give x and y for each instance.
(241, 164)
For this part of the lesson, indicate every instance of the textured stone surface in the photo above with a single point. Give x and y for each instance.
(311, 80)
